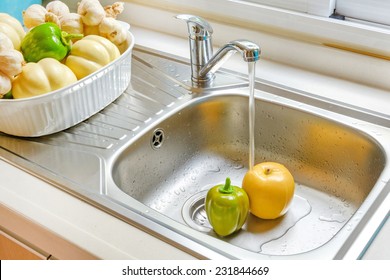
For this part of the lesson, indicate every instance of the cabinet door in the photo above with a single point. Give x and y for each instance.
(11, 249)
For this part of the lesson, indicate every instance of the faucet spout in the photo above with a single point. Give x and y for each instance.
(250, 53)
(203, 63)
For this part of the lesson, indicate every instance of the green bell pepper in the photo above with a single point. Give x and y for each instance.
(227, 208)
(8, 95)
(47, 40)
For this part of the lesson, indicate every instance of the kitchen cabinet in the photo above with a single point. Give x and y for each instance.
(23, 239)
(12, 249)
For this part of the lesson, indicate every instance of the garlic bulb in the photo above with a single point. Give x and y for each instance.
(34, 15)
(116, 32)
(58, 8)
(5, 42)
(72, 23)
(114, 10)
(12, 28)
(5, 84)
(113, 30)
(50, 17)
(11, 62)
(122, 47)
(91, 11)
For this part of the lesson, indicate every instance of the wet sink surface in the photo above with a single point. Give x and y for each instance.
(171, 167)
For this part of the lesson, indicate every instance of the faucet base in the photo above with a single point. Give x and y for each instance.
(219, 80)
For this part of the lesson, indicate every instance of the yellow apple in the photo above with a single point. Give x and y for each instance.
(270, 188)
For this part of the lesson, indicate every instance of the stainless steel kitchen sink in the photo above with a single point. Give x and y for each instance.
(150, 157)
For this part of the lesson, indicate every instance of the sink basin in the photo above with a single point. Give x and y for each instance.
(150, 157)
(172, 165)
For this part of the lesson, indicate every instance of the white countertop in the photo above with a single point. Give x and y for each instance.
(107, 237)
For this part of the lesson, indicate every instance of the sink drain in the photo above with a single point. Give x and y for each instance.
(157, 138)
(194, 212)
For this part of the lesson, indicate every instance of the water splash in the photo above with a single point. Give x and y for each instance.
(300, 208)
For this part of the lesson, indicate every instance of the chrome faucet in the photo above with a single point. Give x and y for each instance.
(203, 63)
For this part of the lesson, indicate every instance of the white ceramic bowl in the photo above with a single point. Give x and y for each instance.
(57, 110)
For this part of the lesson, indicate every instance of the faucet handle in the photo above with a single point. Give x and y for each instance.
(197, 26)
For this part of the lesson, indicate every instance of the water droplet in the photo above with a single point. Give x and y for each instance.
(214, 170)
(238, 166)
(338, 218)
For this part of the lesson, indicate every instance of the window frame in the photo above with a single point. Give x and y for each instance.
(314, 7)
(375, 11)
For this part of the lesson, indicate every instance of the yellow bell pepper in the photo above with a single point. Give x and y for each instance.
(90, 54)
(42, 77)
(11, 27)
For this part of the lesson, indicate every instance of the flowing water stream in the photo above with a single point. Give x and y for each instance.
(252, 111)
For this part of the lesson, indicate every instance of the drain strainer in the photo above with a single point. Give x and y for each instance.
(157, 138)
(194, 213)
